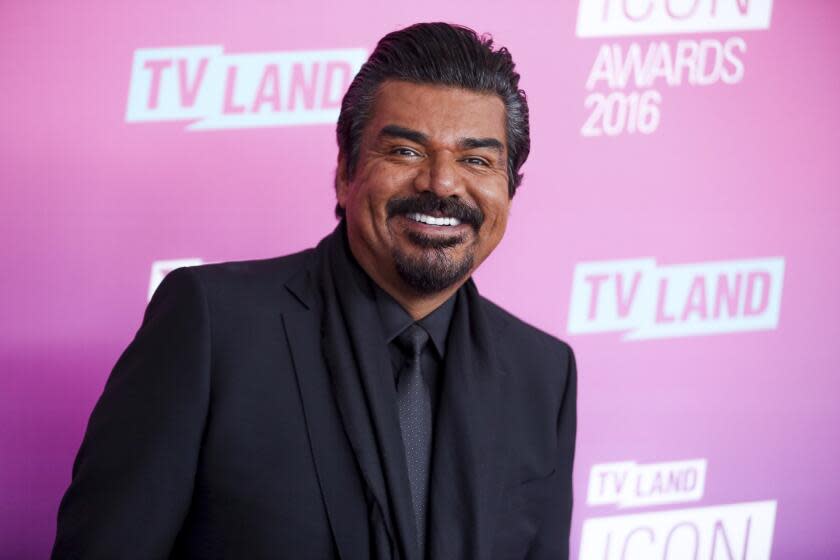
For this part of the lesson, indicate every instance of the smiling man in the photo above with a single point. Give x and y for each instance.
(359, 399)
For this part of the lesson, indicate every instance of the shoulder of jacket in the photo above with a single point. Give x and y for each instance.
(247, 282)
(256, 270)
(513, 328)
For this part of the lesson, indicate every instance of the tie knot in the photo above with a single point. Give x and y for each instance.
(412, 340)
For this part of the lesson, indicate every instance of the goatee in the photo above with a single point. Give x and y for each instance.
(431, 271)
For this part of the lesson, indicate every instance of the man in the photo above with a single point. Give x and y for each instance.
(359, 399)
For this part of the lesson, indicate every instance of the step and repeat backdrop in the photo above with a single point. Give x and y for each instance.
(678, 225)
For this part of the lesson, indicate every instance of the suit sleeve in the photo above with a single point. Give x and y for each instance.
(552, 540)
(133, 476)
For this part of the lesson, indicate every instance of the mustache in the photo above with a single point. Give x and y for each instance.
(429, 203)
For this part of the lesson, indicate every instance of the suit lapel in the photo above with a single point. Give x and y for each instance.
(470, 434)
(334, 462)
(336, 406)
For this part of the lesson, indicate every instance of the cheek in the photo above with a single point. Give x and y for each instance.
(499, 228)
(502, 221)
(363, 195)
(496, 207)
(379, 184)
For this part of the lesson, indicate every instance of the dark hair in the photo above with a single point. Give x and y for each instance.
(436, 53)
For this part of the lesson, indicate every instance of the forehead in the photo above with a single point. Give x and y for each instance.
(445, 114)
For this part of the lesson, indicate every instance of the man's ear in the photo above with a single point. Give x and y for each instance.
(342, 186)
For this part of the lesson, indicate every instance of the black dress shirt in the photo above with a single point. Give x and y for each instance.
(395, 320)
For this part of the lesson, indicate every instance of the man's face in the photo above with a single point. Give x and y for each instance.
(428, 201)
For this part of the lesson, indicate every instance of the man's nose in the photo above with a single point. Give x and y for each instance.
(439, 175)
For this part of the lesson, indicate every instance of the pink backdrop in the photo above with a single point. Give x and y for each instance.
(708, 413)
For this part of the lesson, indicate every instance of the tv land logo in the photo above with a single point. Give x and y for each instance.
(222, 91)
(649, 301)
(728, 531)
(625, 80)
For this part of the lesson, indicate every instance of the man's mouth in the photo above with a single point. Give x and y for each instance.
(432, 220)
(435, 215)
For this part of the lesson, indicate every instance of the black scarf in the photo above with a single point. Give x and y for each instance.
(462, 479)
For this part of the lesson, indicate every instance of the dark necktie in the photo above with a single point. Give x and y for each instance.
(415, 408)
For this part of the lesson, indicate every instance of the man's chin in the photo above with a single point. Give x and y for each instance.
(432, 270)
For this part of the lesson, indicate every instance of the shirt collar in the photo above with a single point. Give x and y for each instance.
(395, 319)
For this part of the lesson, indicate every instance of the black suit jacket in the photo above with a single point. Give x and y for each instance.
(218, 434)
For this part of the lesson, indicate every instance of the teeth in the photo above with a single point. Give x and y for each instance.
(431, 220)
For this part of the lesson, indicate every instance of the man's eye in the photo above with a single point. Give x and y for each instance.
(477, 161)
(405, 152)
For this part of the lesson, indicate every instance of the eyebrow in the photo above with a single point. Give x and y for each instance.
(473, 143)
(396, 131)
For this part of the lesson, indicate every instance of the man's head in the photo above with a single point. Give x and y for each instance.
(433, 129)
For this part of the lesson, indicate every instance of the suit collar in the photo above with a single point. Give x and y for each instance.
(302, 287)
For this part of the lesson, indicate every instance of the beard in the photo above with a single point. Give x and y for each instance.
(434, 269)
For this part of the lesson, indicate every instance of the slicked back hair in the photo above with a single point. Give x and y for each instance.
(441, 54)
